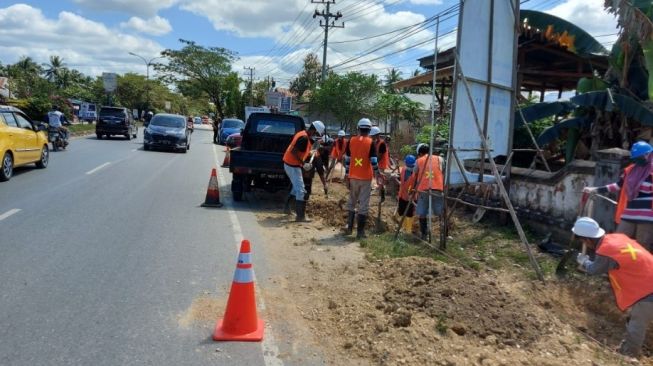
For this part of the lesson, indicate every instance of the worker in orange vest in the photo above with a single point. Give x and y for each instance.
(296, 160)
(404, 198)
(361, 166)
(382, 151)
(630, 269)
(428, 180)
(338, 150)
(634, 214)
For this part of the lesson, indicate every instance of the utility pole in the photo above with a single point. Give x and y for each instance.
(251, 85)
(326, 14)
(148, 63)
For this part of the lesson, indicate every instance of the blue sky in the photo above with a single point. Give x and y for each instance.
(96, 36)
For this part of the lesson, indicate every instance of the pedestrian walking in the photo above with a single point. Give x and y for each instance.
(361, 166)
(634, 213)
(630, 271)
(406, 206)
(296, 160)
(428, 180)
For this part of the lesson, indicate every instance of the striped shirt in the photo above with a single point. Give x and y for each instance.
(640, 208)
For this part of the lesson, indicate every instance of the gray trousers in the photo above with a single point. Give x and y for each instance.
(297, 180)
(641, 315)
(642, 232)
(359, 193)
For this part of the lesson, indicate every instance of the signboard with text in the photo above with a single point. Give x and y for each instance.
(110, 81)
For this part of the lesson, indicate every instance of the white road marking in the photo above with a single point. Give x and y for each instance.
(97, 168)
(9, 213)
(133, 150)
(268, 345)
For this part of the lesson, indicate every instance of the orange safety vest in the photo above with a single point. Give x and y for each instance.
(339, 148)
(633, 279)
(426, 179)
(290, 158)
(384, 160)
(403, 183)
(360, 166)
(623, 196)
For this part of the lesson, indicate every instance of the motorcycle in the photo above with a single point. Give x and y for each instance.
(55, 137)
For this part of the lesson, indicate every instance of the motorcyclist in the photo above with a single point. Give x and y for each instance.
(56, 120)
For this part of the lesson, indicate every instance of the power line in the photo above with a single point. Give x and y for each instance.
(326, 14)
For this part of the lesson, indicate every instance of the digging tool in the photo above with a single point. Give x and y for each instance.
(572, 252)
(378, 214)
(480, 212)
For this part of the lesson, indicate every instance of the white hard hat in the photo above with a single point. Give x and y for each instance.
(419, 146)
(364, 123)
(375, 131)
(319, 127)
(341, 133)
(587, 228)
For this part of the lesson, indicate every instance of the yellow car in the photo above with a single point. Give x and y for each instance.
(22, 142)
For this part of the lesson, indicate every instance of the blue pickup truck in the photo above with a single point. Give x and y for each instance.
(257, 163)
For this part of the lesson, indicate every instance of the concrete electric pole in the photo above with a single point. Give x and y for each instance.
(251, 84)
(326, 14)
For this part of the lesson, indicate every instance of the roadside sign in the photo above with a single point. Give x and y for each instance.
(273, 99)
(168, 106)
(110, 81)
(286, 104)
(250, 110)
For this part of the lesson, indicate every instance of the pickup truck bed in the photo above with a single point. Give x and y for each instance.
(258, 163)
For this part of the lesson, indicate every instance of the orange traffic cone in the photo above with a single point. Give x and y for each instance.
(212, 192)
(240, 322)
(227, 158)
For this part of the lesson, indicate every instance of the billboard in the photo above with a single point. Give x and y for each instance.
(110, 81)
(488, 64)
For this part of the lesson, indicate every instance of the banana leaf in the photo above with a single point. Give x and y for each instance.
(554, 132)
(538, 111)
(622, 103)
(584, 43)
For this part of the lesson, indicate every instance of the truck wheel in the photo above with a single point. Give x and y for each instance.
(237, 188)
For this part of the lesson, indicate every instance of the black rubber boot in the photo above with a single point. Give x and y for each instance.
(423, 229)
(360, 227)
(286, 206)
(300, 209)
(350, 223)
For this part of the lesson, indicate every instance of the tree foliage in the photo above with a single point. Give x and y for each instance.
(196, 68)
(347, 97)
(308, 78)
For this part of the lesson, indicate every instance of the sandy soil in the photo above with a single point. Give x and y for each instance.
(417, 311)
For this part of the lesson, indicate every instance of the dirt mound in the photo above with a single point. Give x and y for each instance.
(472, 305)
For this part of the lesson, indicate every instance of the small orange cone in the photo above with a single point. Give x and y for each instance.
(227, 158)
(212, 192)
(240, 322)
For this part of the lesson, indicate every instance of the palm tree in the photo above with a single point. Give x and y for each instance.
(53, 69)
(393, 76)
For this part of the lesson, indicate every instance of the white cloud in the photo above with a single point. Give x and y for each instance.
(145, 8)
(426, 2)
(85, 45)
(155, 26)
(590, 16)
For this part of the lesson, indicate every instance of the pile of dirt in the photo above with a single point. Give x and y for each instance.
(472, 305)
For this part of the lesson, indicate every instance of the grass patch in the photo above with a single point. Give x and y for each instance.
(82, 128)
(474, 246)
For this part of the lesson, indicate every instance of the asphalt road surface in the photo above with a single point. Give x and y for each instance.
(102, 252)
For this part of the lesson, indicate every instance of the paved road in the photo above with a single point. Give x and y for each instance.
(101, 253)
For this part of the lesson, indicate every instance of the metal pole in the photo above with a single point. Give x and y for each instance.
(428, 159)
(148, 63)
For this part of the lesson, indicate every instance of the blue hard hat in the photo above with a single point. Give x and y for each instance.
(640, 148)
(410, 160)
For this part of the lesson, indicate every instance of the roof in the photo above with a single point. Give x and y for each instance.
(424, 99)
(552, 55)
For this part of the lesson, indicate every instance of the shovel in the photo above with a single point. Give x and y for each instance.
(379, 229)
(571, 253)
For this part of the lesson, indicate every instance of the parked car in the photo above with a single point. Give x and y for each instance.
(167, 131)
(197, 120)
(206, 120)
(22, 142)
(234, 140)
(229, 126)
(115, 121)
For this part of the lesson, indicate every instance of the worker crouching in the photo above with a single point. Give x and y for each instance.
(630, 269)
